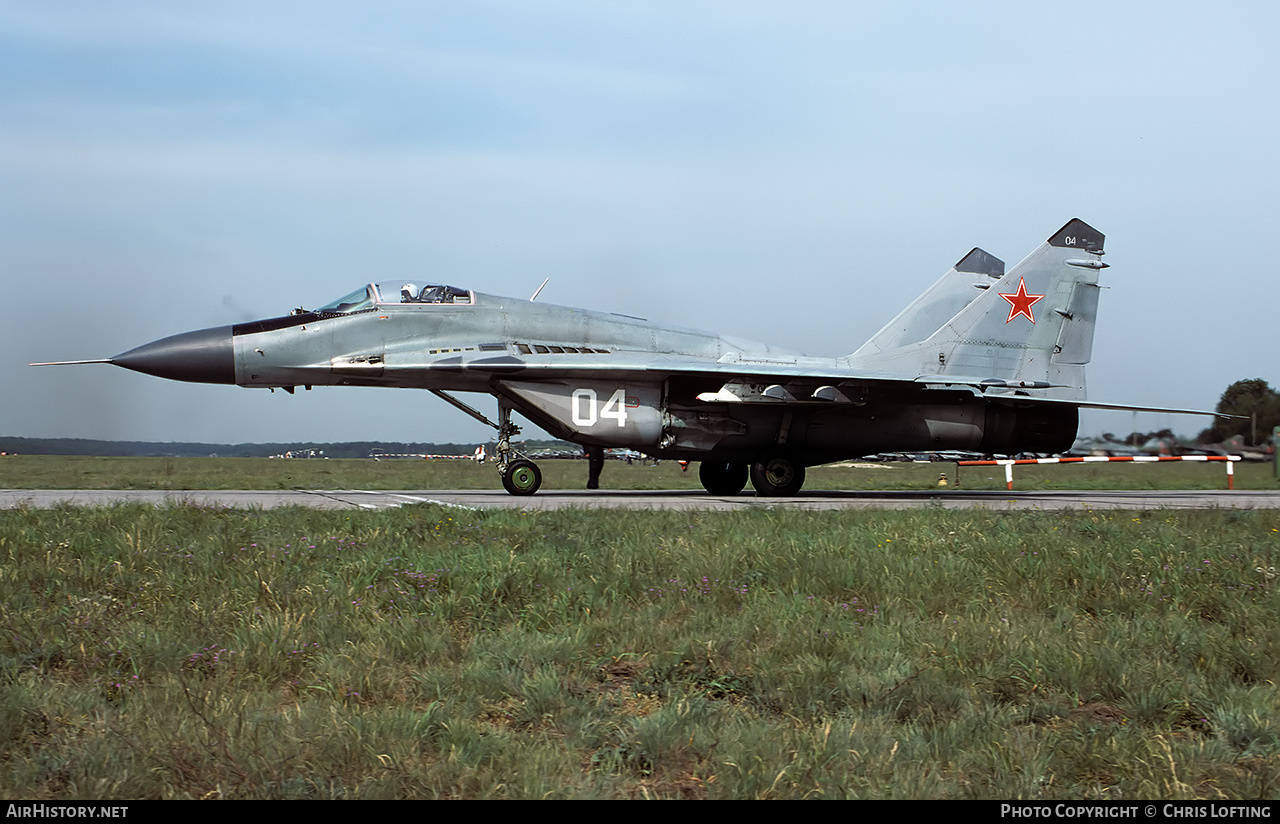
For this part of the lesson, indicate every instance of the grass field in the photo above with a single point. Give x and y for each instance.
(58, 472)
(201, 653)
(192, 652)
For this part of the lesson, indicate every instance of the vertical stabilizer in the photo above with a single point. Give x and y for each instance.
(1033, 326)
(960, 286)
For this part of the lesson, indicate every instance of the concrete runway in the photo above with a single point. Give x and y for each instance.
(648, 499)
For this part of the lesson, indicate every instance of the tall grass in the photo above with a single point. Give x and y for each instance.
(192, 652)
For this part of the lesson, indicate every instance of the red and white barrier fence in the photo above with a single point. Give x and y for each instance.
(1008, 463)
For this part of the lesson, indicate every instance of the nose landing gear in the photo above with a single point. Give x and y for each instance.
(520, 476)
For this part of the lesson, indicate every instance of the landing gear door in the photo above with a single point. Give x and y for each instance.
(609, 413)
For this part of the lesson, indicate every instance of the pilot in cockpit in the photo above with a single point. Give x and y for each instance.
(408, 293)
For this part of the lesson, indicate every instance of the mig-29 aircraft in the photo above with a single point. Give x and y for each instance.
(983, 361)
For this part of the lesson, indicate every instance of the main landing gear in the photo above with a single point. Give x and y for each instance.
(775, 476)
(723, 477)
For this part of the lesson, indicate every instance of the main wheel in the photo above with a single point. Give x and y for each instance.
(722, 477)
(522, 478)
(777, 475)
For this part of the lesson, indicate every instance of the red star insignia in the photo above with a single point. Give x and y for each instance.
(1020, 302)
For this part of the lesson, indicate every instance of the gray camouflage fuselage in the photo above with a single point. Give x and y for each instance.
(984, 361)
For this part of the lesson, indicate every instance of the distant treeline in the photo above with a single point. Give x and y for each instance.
(354, 449)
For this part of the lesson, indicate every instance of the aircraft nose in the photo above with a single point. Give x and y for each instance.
(204, 356)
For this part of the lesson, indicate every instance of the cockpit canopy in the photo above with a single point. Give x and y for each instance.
(396, 292)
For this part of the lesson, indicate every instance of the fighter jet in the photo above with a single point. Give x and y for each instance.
(984, 361)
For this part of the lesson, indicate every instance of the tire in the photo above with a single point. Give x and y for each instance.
(522, 478)
(722, 477)
(777, 476)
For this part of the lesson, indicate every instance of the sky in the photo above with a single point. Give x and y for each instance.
(793, 173)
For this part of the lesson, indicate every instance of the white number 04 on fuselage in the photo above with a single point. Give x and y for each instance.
(983, 361)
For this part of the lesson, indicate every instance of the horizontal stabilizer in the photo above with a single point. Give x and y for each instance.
(1114, 407)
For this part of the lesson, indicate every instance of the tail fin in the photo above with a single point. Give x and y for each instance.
(959, 287)
(1034, 326)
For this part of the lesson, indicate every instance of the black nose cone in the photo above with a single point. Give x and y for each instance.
(204, 356)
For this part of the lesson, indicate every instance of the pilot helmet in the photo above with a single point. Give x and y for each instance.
(408, 292)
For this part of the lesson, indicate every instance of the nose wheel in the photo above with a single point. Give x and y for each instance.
(522, 477)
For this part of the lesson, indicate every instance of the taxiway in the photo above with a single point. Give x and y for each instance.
(650, 499)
